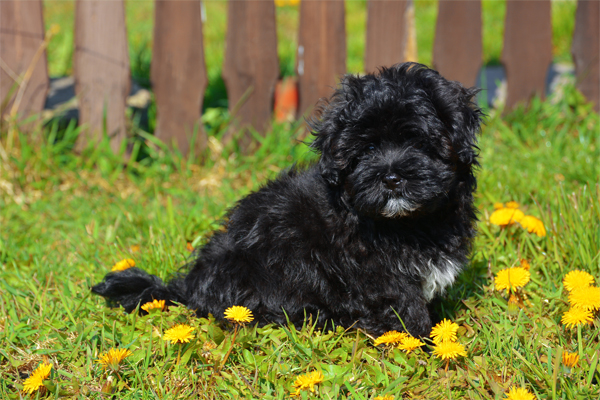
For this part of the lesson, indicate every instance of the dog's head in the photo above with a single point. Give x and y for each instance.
(400, 141)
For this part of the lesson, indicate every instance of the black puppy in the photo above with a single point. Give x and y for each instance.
(377, 227)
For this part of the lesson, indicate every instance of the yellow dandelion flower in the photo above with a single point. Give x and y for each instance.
(154, 304)
(577, 279)
(570, 359)
(386, 397)
(410, 343)
(533, 225)
(123, 265)
(498, 206)
(37, 377)
(513, 303)
(511, 278)
(587, 298)
(512, 204)
(239, 315)
(444, 331)
(576, 316)
(207, 348)
(283, 3)
(112, 358)
(180, 333)
(506, 216)
(391, 337)
(449, 350)
(516, 393)
(54, 29)
(308, 381)
(209, 345)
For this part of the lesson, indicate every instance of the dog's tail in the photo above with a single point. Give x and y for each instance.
(133, 287)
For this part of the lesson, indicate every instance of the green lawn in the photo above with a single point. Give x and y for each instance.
(66, 219)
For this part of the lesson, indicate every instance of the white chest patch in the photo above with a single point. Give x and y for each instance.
(439, 278)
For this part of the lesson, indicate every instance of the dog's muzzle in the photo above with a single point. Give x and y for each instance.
(398, 207)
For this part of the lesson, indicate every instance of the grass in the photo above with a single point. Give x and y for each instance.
(65, 219)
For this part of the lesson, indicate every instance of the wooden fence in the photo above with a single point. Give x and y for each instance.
(251, 67)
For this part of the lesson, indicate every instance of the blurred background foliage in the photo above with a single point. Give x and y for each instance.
(140, 22)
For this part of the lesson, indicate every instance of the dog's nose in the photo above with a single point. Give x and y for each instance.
(392, 181)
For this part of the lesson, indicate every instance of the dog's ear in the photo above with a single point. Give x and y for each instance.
(460, 114)
(324, 131)
(333, 117)
(466, 126)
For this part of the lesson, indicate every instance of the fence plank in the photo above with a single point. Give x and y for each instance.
(101, 66)
(21, 37)
(178, 73)
(457, 49)
(586, 50)
(251, 66)
(386, 33)
(527, 49)
(321, 50)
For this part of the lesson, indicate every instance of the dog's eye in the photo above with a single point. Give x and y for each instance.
(370, 149)
(418, 146)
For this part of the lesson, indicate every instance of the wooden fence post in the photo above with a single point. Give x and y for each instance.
(251, 65)
(21, 37)
(457, 49)
(321, 50)
(586, 50)
(178, 73)
(386, 33)
(527, 51)
(101, 66)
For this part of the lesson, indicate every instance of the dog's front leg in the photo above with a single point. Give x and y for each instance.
(406, 312)
(416, 317)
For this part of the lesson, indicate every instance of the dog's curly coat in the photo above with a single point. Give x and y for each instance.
(379, 225)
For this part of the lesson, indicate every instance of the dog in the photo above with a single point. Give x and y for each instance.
(366, 237)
